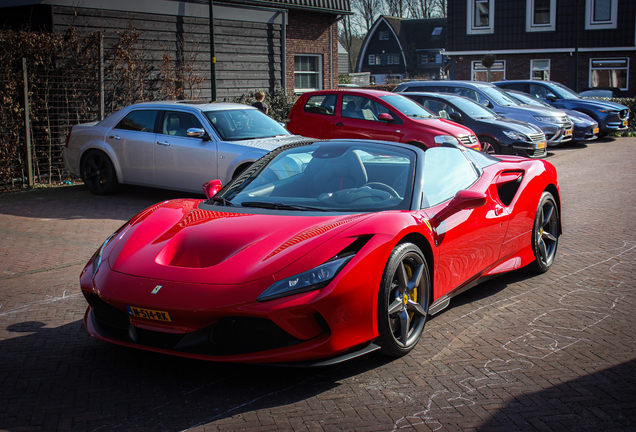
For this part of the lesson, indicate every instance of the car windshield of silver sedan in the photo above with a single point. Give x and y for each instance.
(407, 107)
(499, 96)
(338, 177)
(244, 124)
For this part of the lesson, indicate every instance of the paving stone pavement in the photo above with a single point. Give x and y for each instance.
(555, 352)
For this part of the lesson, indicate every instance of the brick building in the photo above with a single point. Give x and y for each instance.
(259, 44)
(549, 40)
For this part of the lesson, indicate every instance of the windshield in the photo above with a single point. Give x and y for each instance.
(334, 176)
(528, 99)
(407, 107)
(473, 109)
(563, 91)
(496, 94)
(244, 124)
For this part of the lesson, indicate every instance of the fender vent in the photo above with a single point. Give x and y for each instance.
(508, 183)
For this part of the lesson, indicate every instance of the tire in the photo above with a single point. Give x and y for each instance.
(488, 145)
(545, 234)
(403, 301)
(98, 173)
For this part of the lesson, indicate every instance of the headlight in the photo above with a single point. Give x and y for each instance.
(446, 139)
(554, 120)
(516, 136)
(97, 261)
(315, 278)
(577, 120)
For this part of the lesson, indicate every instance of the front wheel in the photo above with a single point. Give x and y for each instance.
(490, 146)
(403, 300)
(545, 234)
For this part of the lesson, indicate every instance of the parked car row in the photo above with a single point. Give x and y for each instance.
(180, 145)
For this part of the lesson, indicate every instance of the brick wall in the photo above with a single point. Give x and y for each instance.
(308, 33)
(561, 67)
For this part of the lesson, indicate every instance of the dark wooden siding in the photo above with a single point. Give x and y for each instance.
(510, 28)
(378, 48)
(248, 54)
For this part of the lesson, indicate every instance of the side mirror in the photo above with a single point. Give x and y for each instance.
(486, 103)
(197, 133)
(385, 117)
(212, 187)
(463, 200)
(455, 116)
(551, 97)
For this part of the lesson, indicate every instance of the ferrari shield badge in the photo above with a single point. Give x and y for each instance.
(156, 290)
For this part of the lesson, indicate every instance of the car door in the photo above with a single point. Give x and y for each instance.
(319, 116)
(183, 162)
(470, 240)
(133, 140)
(358, 117)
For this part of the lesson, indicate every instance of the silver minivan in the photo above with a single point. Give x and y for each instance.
(556, 126)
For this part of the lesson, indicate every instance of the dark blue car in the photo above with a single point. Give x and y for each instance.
(610, 116)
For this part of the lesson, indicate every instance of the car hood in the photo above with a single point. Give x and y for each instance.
(443, 126)
(579, 115)
(181, 240)
(515, 125)
(532, 110)
(596, 104)
(272, 143)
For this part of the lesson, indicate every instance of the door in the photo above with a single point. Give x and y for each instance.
(133, 141)
(182, 162)
(318, 116)
(470, 240)
(359, 118)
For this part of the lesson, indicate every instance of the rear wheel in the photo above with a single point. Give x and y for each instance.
(545, 234)
(98, 173)
(403, 300)
(490, 146)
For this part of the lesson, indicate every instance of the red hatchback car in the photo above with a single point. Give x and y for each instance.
(373, 114)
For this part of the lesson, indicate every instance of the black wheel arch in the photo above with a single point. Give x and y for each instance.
(421, 242)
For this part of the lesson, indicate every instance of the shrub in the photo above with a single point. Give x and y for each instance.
(279, 103)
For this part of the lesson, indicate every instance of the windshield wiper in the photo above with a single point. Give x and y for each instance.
(279, 206)
(225, 202)
(418, 116)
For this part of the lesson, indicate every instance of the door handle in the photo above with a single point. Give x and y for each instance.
(115, 137)
(163, 143)
(339, 124)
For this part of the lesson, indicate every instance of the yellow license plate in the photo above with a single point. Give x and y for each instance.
(541, 145)
(625, 122)
(596, 130)
(568, 132)
(148, 314)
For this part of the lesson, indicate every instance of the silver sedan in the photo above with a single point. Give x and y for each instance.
(171, 145)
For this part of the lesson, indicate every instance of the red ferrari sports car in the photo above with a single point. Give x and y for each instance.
(321, 251)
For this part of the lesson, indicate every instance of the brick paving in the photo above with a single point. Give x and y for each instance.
(555, 352)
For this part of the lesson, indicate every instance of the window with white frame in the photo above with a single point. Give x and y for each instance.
(384, 35)
(601, 14)
(307, 73)
(371, 59)
(540, 15)
(540, 70)
(609, 72)
(480, 17)
(394, 59)
(480, 73)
